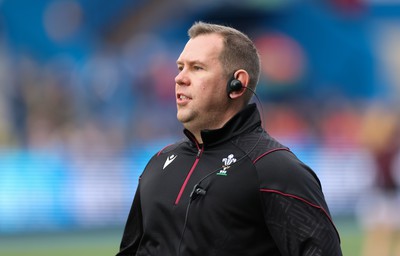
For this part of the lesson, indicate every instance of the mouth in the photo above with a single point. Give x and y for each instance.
(182, 99)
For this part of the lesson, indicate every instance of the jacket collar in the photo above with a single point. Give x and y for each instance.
(244, 121)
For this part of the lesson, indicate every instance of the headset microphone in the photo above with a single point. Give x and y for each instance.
(197, 191)
(233, 86)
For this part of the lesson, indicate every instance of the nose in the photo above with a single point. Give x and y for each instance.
(182, 78)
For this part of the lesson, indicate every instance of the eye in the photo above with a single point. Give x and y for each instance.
(180, 68)
(197, 67)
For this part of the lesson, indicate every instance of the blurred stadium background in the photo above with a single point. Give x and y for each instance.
(87, 96)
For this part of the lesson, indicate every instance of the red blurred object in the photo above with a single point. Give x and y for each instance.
(282, 58)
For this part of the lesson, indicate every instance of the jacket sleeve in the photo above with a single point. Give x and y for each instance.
(295, 210)
(133, 229)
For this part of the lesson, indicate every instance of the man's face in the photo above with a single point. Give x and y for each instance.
(201, 85)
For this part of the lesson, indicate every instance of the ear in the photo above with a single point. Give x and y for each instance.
(244, 78)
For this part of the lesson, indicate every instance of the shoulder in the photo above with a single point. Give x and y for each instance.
(283, 173)
(257, 143)
(179, 145)
(281, 164)
(168, 150)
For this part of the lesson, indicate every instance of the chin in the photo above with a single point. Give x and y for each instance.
(184, 116)
(183, 119)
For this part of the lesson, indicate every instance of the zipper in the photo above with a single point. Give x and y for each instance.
(199, 152)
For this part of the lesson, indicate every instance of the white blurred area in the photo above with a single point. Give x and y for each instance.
(87, 97)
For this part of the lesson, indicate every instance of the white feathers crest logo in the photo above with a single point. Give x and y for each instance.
(227, 162)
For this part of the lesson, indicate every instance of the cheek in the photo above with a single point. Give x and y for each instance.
(212, 89)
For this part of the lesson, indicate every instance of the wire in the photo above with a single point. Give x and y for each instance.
(184, 226)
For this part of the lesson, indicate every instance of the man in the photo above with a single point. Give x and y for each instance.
(229, 188)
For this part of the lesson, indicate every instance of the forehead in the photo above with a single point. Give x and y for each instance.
(202, 48)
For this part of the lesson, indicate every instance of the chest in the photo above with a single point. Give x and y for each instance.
(226, 178)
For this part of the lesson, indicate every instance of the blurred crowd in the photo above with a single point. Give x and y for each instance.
(93, 108)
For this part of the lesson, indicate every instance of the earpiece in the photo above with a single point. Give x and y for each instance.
(233, 85)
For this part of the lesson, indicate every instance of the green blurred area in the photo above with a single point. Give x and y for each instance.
(106, 242)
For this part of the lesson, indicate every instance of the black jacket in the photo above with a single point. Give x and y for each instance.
(239, 193)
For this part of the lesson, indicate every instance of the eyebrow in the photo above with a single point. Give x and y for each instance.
(190, 63)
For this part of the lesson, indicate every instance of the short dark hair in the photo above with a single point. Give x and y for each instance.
(239, 51)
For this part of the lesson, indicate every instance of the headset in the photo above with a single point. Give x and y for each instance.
(233, 85)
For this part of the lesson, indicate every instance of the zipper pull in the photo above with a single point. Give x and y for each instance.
(200, 150)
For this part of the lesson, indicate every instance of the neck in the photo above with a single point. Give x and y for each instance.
(197, 135)
(213, 123)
